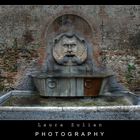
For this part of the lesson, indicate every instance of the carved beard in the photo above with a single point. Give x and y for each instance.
(68, 60)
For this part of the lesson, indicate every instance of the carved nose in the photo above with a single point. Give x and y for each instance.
(69, 49)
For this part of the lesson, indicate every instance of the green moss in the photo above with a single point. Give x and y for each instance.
(38, 101)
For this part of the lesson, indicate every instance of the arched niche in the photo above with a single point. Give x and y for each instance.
(68, 23)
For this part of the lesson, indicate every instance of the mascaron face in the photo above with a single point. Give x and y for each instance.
(69, 50)
(69, 46)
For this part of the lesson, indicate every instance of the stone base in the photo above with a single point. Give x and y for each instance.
(67, 113)
(70, 113)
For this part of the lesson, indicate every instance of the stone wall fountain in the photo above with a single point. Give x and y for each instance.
(70, 71)
(71, 67)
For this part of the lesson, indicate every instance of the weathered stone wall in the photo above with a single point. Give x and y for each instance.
(116, 34)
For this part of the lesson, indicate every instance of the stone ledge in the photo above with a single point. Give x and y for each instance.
(74, 109)
(70, 113)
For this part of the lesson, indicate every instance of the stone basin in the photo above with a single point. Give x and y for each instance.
(70, 85)
(23, 105)
(36, 100)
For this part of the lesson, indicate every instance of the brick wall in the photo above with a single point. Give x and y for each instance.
(116, 31)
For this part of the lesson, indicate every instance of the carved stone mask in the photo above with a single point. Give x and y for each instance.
(69, 50)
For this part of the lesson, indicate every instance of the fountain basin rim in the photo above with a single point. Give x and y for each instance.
(46, 75)
(69, 108)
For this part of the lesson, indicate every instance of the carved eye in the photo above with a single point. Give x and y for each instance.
(65, 45)
(73, 45)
